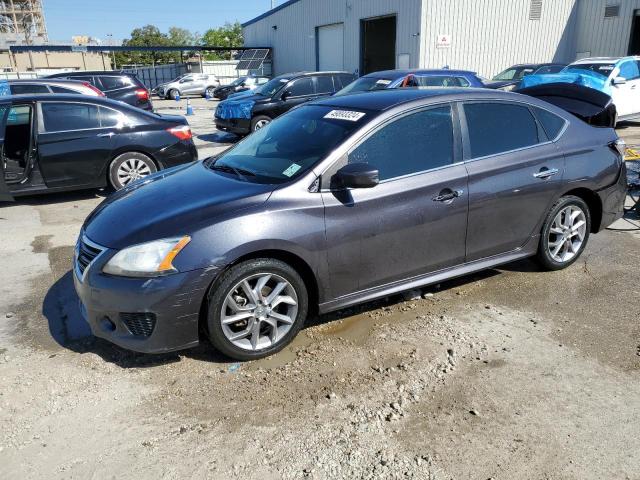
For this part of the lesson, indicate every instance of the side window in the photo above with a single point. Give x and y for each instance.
(413, 143)
(629, 70)
(324, 84)
(21, 88)
(463, 82)
(56, 89)
(90, 80)
(551, 123)
(58, 117)
(110, 118)
(301, 87)
(499, 127)
(346, 79)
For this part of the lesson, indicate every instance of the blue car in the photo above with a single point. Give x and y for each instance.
(413, 78)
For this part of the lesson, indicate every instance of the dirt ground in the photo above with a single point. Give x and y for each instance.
(508, 374)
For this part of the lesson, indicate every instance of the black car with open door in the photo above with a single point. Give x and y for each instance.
(68, 142)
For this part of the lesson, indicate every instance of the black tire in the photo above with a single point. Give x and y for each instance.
(224, 286)
(210, 90)
(257, 121)
(114, 178)
(172, 94)
(544, 256)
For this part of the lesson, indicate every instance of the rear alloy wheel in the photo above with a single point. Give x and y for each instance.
(565, 233)
(129, 167)
(256, 309)
(259, 122)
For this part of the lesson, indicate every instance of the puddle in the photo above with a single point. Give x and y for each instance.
(41, 244)
(356, 328)
(287, 355)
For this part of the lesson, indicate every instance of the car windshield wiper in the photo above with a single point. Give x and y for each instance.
(240, 172)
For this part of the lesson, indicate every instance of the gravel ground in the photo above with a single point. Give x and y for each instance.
(508, 374)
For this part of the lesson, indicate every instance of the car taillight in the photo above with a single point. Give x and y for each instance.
(142, 94)
(183, 132)
(97, 90)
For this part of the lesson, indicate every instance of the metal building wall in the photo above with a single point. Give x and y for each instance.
(598, 36)
(294, 41)
(490, 35)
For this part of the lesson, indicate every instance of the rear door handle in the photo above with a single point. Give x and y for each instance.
(102, 135)
(447, 195)
(546, 173)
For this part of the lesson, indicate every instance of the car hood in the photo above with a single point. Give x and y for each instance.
(170, 203)
(575, 76)
(239, 105)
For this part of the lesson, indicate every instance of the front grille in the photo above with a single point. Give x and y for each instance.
(139, 324)
(86, 252)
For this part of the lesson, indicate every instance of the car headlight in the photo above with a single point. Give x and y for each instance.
(147, 259)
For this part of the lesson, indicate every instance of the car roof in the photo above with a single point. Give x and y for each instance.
(380, 100)
(69, 97)
(111, 73)
(604, 59)
(395, 74)
(46, 80)
(293, 75)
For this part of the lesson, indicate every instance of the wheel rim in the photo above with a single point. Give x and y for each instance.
(132, 169)
(261, 124)
(259, 311)
(210, 91)
(567, 234)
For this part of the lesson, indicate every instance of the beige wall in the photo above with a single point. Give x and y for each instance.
(55, 60)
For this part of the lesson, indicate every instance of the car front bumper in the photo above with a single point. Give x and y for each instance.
(148, 315)
(241, 126)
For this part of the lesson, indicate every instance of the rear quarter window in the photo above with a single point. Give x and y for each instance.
(113, 83)
(18, 89)
(56, 89)
(551, 123)
(496, 128)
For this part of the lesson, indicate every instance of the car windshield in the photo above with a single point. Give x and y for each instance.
(289, 146)
(238, 81)
(514, 73)
(603, 69)
(271, 87)
(365, 84)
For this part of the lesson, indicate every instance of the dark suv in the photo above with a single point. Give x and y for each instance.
(125, 87)
(248, 113)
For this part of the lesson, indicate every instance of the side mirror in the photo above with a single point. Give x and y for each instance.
(619, 81)
(286, 94)
(357, 175)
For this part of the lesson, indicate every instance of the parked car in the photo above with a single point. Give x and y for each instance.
(188, 84)
(39, 86)
(616, 77)
(339, 202)
(125, 87)
(413, 78)
(71, 142)
(242, 84)
(247, 113)
(509, 78)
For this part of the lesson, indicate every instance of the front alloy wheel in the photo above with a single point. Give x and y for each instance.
(256, 309)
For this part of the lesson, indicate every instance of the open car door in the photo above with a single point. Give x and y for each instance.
(593, 106)
(5, 195)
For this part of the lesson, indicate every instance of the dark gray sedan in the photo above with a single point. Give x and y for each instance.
(339, 202)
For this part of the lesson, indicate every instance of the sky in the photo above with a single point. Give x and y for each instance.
(97, 18)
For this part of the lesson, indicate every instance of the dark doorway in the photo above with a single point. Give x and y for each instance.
(378, 44)
(634, 42)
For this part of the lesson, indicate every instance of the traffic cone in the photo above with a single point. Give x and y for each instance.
(177, 97)
(207, 96)
(189, 107)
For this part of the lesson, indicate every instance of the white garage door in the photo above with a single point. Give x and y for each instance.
(331, 47)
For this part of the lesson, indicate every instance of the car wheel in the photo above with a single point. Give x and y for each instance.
(565, 233)
(209, 92)
(173, 94)
(129, 167)
(256, 309)
(259, 122)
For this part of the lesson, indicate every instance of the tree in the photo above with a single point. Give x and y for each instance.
(182, 36)
(229, 35)
(147, 36)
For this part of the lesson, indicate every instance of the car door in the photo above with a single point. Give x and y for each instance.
(186, 84)
(626, 95)
(515, 174)
(295, 93)
(5, 195)
(74, 142)
(414, 221)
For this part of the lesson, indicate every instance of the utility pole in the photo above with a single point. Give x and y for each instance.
(113, 65)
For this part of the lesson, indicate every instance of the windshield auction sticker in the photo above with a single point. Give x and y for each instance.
(345, 115)
(292, 170)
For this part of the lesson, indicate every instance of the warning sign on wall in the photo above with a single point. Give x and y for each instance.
(443, 41)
